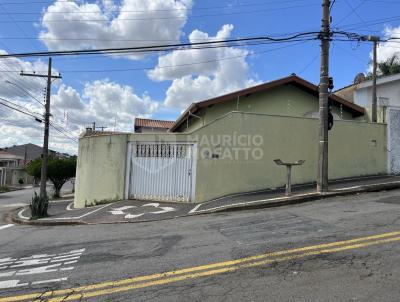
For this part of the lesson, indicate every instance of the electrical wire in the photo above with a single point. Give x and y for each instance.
(16, 109)
(233, 5)
(22, 108)
(165, 18)
(353, 10)
(26, 92)
(63, 132)
(169, 47)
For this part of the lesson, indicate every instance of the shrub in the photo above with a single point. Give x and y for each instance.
(39, 206)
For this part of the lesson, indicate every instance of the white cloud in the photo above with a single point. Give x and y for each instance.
(102, 101)
(388, 49)
(226, 71)
(164, 71)
(155, 20)
(10, 69)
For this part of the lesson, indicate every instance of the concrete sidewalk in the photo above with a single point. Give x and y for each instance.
(63, 213)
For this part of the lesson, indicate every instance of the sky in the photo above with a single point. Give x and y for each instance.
(112, 90)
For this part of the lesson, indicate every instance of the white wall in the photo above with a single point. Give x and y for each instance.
(388, 96)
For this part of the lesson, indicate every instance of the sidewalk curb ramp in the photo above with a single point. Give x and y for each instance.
(258, 204)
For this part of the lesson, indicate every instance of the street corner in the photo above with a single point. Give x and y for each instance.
(56, 215)
(125, 211)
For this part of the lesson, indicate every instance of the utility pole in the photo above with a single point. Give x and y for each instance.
(45, 152)
(374, 103)
(322, 175)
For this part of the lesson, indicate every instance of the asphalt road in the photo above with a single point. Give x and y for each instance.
(337, 249)
(19, 198)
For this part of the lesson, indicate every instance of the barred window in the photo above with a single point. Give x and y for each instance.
(162, 150)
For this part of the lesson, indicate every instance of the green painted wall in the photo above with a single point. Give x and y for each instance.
(100, 171)
(285, 100)
(226, 163)
(356, 149)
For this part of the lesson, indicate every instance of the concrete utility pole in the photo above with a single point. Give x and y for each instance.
(374, 39)
(374, 104)
(45, 154)
(322, 175)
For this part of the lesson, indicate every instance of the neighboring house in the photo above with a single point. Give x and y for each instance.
(388, 109)
(227, 145)
(12, 170)
(29, 152)
(151, 126)
(388, 95)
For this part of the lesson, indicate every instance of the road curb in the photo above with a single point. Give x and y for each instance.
(258, 204)
(297, 199)
(13, 216)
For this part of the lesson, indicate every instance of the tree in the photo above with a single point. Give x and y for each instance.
(59, 171)
(388, 67)
(33, 168)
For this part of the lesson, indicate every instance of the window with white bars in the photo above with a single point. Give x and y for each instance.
(162, 150)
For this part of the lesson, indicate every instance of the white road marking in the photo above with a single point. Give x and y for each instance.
(194, 209)
(69, 206)
(36, 265)
(65, 259)
(244, 203)
(121, 210)
(154, 204)
(20, 215)
(77, 217)
(5, 226)
(11, 284)
(66, 268)
(49, 281)
(60, 200)
(39, 270)
(72, 252)
(285, 198)
(13, 205)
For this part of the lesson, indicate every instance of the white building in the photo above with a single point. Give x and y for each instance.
(388, 94)
(12, 170)
(388, 110)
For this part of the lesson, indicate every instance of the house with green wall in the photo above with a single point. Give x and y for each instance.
(227, 145)
(289, 96)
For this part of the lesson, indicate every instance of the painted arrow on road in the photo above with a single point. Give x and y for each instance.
(122, 210)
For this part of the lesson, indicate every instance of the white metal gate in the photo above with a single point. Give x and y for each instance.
(161, 171)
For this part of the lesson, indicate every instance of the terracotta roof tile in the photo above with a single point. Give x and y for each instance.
(141, 122)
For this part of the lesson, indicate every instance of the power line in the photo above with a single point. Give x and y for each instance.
(24, 90)
(22, 108)
(166, 18)
(152, 48)
(16, 24)
(332, 4)
(353, 26)
(63, 132)
(158, 10)
(353, 10)
(187, 64)
(357, 14)
(21, 111)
